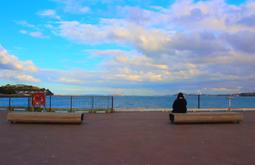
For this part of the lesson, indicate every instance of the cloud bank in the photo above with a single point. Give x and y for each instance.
(13, 69)
(207, 41)
(189, 45)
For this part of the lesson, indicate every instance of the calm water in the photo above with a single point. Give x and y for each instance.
(166, 102)
(90, 102)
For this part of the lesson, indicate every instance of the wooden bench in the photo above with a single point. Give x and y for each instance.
(206, 117)
(45, 117)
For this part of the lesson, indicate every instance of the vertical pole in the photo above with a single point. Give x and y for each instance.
(45, 97)
(198, 101)
(229, 103)
(112, 104)
(9, 103)
(92, 104)
(28, 103)
(71, 104)
(50, 103)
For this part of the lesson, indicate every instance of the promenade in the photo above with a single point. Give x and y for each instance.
(128, 138)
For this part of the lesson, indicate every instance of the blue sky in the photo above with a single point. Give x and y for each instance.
(131, 47)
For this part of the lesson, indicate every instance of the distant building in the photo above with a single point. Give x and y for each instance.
(26, 92)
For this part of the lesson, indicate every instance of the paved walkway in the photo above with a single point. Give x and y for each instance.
(128, 138)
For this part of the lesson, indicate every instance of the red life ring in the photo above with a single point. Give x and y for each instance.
(38, 99)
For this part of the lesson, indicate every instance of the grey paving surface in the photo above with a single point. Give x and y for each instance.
(131, 138)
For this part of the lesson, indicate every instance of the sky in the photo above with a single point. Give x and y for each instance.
(129, 47)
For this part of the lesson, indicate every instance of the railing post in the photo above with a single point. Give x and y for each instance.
(28, 103)
(9, 103)
(112, 104)
(93, 99)
(71, 104)
(229, 102)
(198, 101)
(50, 103)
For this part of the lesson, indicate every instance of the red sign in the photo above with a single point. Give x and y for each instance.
(38, 99)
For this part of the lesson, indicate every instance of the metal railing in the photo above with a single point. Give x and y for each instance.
(96, 103)
(69, 103)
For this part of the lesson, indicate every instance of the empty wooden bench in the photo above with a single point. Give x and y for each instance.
(45, 117)
(206, 117)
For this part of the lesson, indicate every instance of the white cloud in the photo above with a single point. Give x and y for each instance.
(85, 33)
(149, 40)
(34, 34)
(23, 32)
(25, 24)
(83, 9)
(11, 62)
(138, 76)
(74, 6)
(74, 90)
(105, 52)
(17, 76)
(224, 90)
(188, 15)
(27, 78)
(187, 43)
(136, 67)
(133, 66)
(49, 13)
(13, 69)
(241, 41)
(67, 80)
(31, 30)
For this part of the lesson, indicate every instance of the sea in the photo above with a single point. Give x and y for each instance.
(129, 102)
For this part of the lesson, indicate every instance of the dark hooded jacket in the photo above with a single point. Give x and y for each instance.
(180, 104)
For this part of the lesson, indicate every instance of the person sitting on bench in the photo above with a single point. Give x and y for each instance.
(180, 104)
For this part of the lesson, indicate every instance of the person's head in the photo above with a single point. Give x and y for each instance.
(180, 96)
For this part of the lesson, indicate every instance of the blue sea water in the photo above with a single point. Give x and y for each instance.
(124, 102)
(166, 102)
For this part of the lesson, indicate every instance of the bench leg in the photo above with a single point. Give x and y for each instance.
(171, 117)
